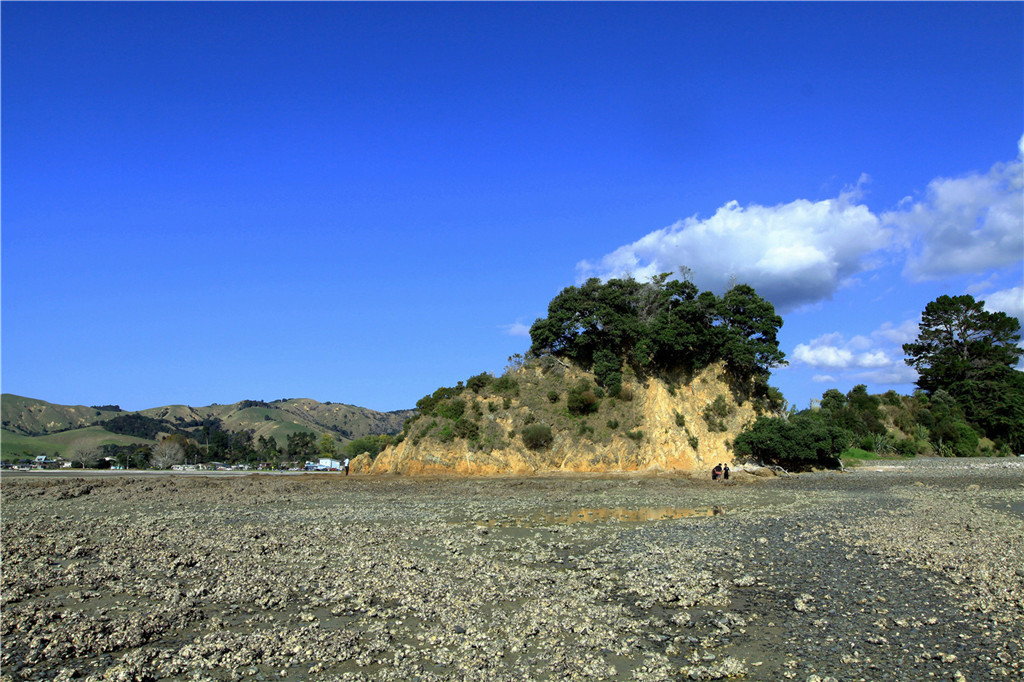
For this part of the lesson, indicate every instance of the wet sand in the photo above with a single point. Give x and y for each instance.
(911, 570)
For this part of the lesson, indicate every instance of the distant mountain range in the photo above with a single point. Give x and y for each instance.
(36, 427)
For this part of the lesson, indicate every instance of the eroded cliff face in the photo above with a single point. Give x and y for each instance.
(675, 436)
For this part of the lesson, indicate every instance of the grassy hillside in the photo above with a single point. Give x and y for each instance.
(34, 427)
(31, 417)
(16, 445)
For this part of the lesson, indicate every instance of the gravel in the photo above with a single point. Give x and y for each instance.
(904, 570)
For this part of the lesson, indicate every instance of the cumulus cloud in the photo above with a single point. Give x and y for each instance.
(874, 358)
(1009, 301)
(966, 224)
(792, 254)
(803, 251)
(831, 351)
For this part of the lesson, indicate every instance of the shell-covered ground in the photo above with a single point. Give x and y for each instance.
(909, 571)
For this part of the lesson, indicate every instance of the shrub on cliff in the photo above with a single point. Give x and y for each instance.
(583, 399)
(537, 436)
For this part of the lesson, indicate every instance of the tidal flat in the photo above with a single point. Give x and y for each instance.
(904, 570)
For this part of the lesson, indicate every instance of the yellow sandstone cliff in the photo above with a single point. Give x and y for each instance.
(673, 434)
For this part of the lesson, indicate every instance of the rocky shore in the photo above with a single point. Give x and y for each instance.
(911, 570)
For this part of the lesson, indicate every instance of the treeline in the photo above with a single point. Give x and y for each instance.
(970, 399)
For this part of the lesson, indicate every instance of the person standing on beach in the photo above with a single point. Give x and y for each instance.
(725, 472)
(346, 466)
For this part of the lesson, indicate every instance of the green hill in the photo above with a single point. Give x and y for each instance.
(32, 427)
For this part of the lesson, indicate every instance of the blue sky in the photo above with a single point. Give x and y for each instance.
(360, 203)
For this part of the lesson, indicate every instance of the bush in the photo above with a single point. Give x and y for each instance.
(451, 409)
(954, 438)
(807, 439)
(369, 444)
(537, 436)
(636, 435)
(680, 420)
(582, 400)
(905, 447)
(505, 384)
(613, 424)
(615, 389)
(464, 428)
(446, 435)
(479, 382)
(553, 396)
(904, 422)
(426, 404)
(715, 413)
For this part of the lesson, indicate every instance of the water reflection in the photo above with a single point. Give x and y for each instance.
(606, 514)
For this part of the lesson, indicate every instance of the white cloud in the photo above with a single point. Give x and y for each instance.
(876, 358)
(817, 355)
(802, 252)
(516, 329)
(792, 254)
(1009, 301)
(832, 351)
(893, 374)
(897, 334)
(966, 224)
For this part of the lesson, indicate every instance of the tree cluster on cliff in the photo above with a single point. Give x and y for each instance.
(657, 327)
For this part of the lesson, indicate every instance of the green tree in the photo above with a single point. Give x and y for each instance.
(326, 445)
(661, 325)
(833, 400)
(958, 340)
(267, 448)
(301, 445)
(368, 444)
(971, 353)
(748, 332)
